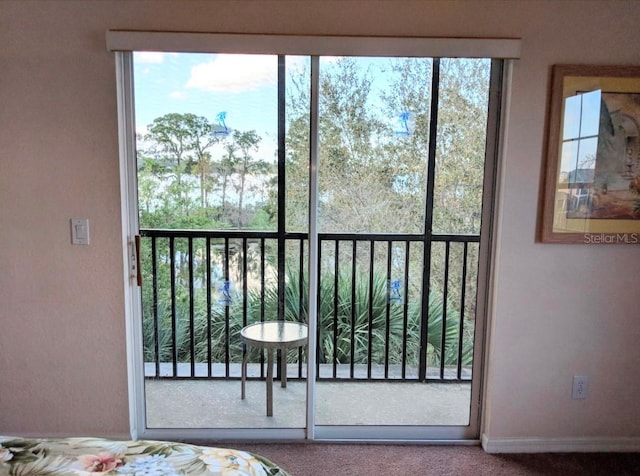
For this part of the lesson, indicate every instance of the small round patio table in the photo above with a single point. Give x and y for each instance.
(272, 335)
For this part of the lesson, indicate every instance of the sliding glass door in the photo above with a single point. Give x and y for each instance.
(215, 253)
(349, 194)
(401, 160)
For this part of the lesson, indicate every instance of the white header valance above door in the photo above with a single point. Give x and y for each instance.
(499, 48)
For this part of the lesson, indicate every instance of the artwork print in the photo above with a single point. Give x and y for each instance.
(591, 173)
(600, 165)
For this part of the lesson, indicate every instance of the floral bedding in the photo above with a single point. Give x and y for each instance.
(96, 456)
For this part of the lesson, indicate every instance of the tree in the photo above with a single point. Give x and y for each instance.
(200, 141)
(462, 119)
(409, 97)
(353, 171)
(373, 175)
(180, 144)
(225, 168)
(246, 143)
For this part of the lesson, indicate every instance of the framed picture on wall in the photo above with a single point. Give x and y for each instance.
(591, 190)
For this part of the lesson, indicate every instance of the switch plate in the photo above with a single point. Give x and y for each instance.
(79, 231)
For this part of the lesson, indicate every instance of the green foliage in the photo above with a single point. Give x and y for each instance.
(371, 180)
(187, 175)
(360, 315)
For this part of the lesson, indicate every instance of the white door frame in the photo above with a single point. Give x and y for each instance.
(130, 228)
(129, 213)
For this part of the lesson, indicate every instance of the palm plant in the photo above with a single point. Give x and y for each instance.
(353, 324)
(355, 316)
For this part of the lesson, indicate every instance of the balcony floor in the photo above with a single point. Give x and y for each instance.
(217, 404)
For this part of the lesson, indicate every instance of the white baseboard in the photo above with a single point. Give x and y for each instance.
(560, 445)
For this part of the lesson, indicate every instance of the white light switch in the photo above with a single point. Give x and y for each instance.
(79, 231)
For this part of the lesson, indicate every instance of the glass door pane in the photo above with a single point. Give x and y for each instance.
(373, 144)
(396, 300)
(208, 130)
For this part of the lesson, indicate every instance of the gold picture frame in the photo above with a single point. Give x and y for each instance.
(591, 179)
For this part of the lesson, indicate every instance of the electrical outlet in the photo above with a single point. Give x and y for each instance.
(580, 386)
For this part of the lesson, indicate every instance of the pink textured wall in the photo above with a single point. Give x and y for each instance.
(559, 309)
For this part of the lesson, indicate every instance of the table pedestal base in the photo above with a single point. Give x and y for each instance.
(271, 336)
(283, 373)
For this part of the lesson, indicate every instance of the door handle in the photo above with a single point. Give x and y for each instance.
(138, 262)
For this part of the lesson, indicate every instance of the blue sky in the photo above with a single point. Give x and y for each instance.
(245, 87)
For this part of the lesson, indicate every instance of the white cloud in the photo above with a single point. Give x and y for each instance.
(234, 73)
(298, 63)
(331, 59)
(142, 130)
(149, 57)
(180, 95)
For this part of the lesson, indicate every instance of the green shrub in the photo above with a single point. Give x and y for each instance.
(368, 314)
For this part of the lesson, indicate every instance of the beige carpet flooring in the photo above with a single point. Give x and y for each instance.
(320, 459)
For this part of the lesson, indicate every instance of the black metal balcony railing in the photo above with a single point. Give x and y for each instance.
(201, 287)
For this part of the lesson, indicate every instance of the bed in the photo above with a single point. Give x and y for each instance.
(97, 456)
